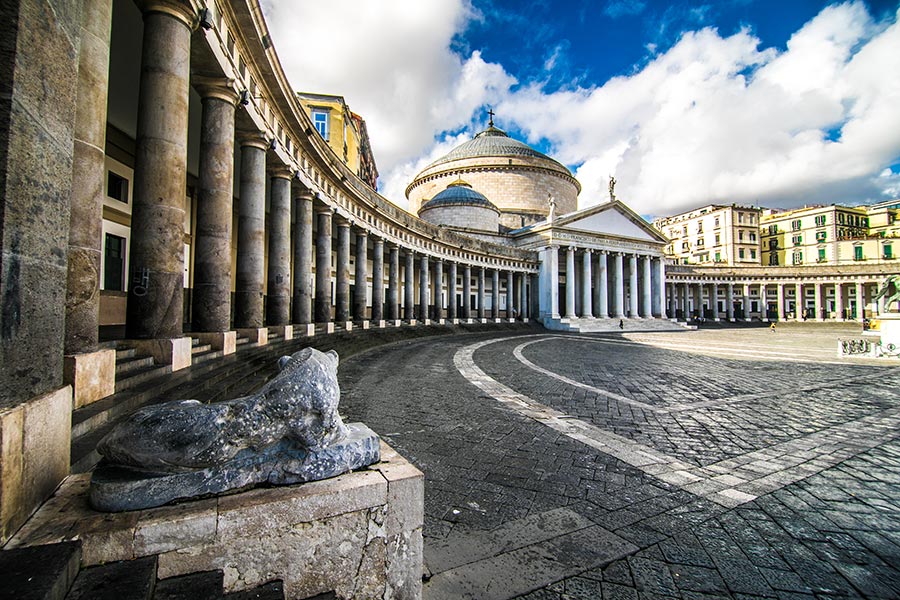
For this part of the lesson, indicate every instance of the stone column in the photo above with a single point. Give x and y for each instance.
(646, 308)
(439, 289)
(798, 301)
(860, 302)
(510, 296)
(587, 309)
(602, 288)
(632, 286)
(303, 256)
(323, 265)
(342, 275)
(424, 299)
(481, 294)
(155, 295)
(394, 284)
(467, 292)
(278, 298)
(212, 247)
(570, 282)
(378, 280)
(698, 299)
(685, 312)
(672, 311)
(495, 295)
(409, 298)
(361, 276)
(661, 286)
(249, 280)
(451, 291)
(88, 172)
(618, 287)
(763, 304)
(714, 301)
(729, 302)
(523, 302)
(838, 301)
(553, 276)
(746, 301)
(818, 301)
(780, 300)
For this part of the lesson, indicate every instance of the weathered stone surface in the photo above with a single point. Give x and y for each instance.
(92, 375)
(39, 572)
(250, 267)
(121, 579)
(206, 585)
(173, 351)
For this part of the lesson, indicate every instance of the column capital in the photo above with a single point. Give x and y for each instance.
(220, 88)
(571, 249)
(252, 139)
(342, 221)
(360, 232)
(281, 172)
(324, 210)
(180, 10)
(304, 194)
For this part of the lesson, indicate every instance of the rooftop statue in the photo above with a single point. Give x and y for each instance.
(890, 291)
(288, 432)
(612, 187)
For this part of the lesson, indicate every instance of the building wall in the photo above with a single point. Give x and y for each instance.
(817, 235)
(723, 235)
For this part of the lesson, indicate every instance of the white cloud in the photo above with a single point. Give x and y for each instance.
(711, 119)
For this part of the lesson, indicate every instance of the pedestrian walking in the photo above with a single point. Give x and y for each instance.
(621, 324)
(772, 327)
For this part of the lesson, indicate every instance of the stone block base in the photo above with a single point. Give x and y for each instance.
(35, 439)
(359, 534)
(306, 330)
(380, 324)
(256, 335)
(329, 327)
(92, 375)
(454, 321)
(511, 320)
(425, 321)
(222, 341)
(286, 331)
(362, 324)
(174, 351)
(412, 322)
(441, 321)
(395, 323)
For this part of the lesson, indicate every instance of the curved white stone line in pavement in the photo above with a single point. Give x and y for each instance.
(730, 482)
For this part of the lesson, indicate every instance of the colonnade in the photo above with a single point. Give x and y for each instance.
(603, 284)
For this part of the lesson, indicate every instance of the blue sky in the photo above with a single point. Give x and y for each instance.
(750, 101)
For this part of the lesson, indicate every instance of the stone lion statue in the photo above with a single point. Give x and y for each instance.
(298, 406)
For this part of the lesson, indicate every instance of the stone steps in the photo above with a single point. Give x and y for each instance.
(593, 325)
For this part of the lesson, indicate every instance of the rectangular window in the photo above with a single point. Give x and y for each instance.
(740, 236)
(116, 187)
(718, 256)
(114, 263)
(857, 252)
(773, 243)
(773, 259)
(888, 251)
(821, 254)
(701, 242)
(820, 220)
(752, 253)
(820, 236)
(798, 258)
(740, 217)
(716, 223)
(752, 237)
(773, 229)
(741, 253)
(798, 240)
(795, 225)
(841, 218)
(320, 120)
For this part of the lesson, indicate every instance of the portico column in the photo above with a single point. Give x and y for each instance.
(729, 302)
(552, 254)
(817, 289)
(377, 280)
(838, 301)
(438, 289)
(361, 276)
(249, 278)
(602, 286)
(155, 294)
(860, 302)
(423, 288)
(524, 311)
(587, 310)
(685, 310)
(323, 265)
(509, 295)
(798, 301)
(618, 287)
(451, 290)
(481, 293)
(632, 286)
(342, 277)
(85, 244)
(467, 292)
(714, 300)
(495, 294)
(211, 302)
(763, 303)
(278, 297)
(780, 301)
(673, 301)
(394, 284)
(698, 298)
(646, 310)
(661, 285)
(303, 254)
(570, 282)
(746, 301)
(409, 296)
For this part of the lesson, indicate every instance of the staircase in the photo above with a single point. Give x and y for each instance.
(593, 325)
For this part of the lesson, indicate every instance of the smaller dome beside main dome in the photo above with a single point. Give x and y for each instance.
(458, 193)
(460, 206)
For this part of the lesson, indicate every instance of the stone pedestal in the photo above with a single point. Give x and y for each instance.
(889, 326)
(359, 534)
(222, 341)
(345, 325)
(92, 375)
(412, 322)
(35, 439)
(257, 335)
(511, 320)
(285, 331)
(362, 324)
(441, 321)
(171, 351)
(328, 327)
(380, 324)
(395, 323)
(307, 330)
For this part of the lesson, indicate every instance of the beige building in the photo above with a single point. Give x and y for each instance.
(713, 235)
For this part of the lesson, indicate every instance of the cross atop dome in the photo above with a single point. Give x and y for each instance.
(490, 117)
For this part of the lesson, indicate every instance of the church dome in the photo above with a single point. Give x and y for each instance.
(461, 207)
(459, 193)
(492, 142)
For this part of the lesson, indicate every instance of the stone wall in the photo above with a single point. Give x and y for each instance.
(472, 217)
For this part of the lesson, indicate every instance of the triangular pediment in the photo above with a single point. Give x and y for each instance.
(609, 219)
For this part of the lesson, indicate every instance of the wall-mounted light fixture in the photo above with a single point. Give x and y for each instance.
(205, 18)
(244, 98)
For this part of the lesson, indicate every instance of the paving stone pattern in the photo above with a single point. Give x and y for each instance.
(579, 480)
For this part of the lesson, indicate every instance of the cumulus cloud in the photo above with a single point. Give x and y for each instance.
(711, 119)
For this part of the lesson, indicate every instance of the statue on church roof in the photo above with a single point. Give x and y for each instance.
(612, 187)
(552, 202)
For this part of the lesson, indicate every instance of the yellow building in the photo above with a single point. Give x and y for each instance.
(713, 235)
(345, 132)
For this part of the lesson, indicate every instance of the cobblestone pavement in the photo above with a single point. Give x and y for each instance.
(696, 465)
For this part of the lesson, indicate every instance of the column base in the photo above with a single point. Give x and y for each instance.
(92, 375)
(256, 335)
(286, 331)
(395, 323)
(175, 352)
(454, 321)
(361, 324)
(223, 341)
(482, 320)
(441, 321)
(34, 455)
(328, 327)
(345, 325)
(412, 322)
(511, 320)
(305, 330)
(379, 324)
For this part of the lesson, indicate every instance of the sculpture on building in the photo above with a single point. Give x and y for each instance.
(890, 291)
(552, 202)
(288, 432)
(612, 187)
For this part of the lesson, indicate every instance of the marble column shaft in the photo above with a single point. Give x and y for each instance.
(798, 301)
(838, 301)
(155, 297)
(570, 282)
(88, 173)
(409, 298)
(495, 294)
(860, 302)
(250, 274)
(524, 306)
(618, 287)
(394, 284)
(553, 257)
(481, 293)
(303, 257)
(510, 304)
(451, 290)
(323, 266)
(424, 300)
(817, 289)
(342, 276)
(646, 308)
(211, 305)
(714, 300)
(780, 301)
(438, 289)
(377, 279)
(467, 292)
(361, 276)
(763, 303)
(632, 286)
(745, 300)
(278, 287)
(602, 286)
(729, 302)
(587, 309)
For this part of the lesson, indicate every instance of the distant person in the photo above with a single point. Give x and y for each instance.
(772, 327)
(621, 324)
